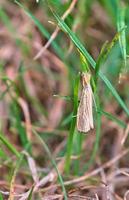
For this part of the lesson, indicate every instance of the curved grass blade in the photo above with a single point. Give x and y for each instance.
(1, 197)
(113, 118)
(100, 59)
(104, 113)
(106, 49)
(53, 163)
(84, 63)
(67, 120)
(73, 125)
(30, 194)
(11, 193)
(97, 140)
(78, 139)
(9, 145)
(42, 29)
(122, 38)
(82, 49)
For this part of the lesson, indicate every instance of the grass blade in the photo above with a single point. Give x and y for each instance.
(100, 59)
(122, 38)
(9, 145)
(11, 193)
(82, 49)
(42, 29)
(73, 124)
(6, 20)
(97, 140)
(53, 163)
(17, 123)
(30, 194)
(1, 197)
(113, 118)
(78, 139)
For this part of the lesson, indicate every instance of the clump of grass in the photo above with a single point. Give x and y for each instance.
(72, 157)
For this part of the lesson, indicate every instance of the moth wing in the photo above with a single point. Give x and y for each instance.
(84, 114)
(90, 107)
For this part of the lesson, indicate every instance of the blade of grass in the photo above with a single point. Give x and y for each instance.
(105, 51)
(9, 145)
(122, 38)
(11, 193)
(111, 6)
(82, 49)
(42, 29)
(8, 23)
(67, 120)
(3, 154)
(66, 98)
(73, 124)
(97, 140)
(53, 163)
(14, 108)
(6, 20)
(85, 66)
(35, 101)
(77, 149)
(113, 118)
(106, 114)
(100, 58)
(14, 174)
(79, 137)
(1, 197)
(30, 194)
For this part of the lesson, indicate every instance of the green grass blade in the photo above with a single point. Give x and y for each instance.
(97, 140)
(30, 194)
(84, 63)
(105, 51)
(9, 145)
(17, 123)
(6, 20)
(78, 139)
(67, 120)
(100, 59)
(113, 118)
(8, 23)
(106, 114)
(82, 49)
(111, 6)
(73, 124)
(11, 193)
(42, 29)
(66, 98)
(53, 163)
(114, 92)
(122, 38)
(1, 197)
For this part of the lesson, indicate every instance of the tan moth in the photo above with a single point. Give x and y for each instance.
(84, 113)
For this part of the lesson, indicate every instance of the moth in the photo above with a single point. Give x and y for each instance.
(84, 113)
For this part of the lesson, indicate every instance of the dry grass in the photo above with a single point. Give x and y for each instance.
(38, 70)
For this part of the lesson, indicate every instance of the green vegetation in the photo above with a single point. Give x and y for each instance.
(40, 93)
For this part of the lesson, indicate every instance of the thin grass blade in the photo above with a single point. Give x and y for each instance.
(73, 125)
(53, 163)
(82, 49)
(122, 38)
(9, 145)
(42, 29)
(1, 197)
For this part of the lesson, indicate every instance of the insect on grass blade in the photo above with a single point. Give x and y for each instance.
(84, 114)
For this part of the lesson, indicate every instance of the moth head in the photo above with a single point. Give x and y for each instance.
(85, 78)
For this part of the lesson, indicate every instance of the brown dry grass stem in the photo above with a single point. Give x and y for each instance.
(54, 34)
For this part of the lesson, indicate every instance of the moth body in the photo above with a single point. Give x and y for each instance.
(84, 114)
